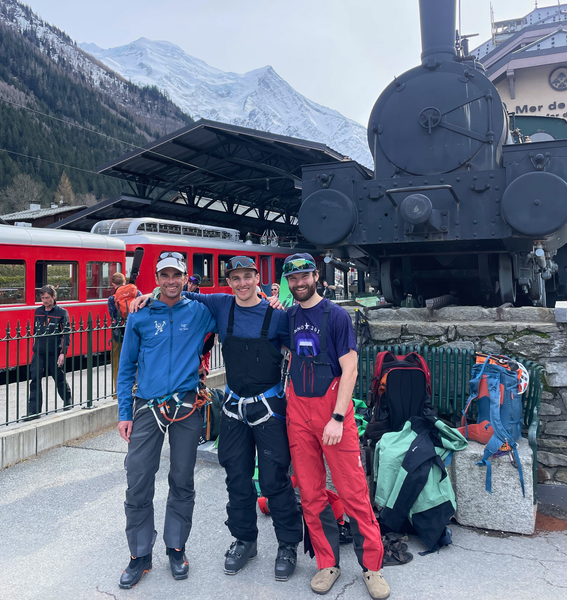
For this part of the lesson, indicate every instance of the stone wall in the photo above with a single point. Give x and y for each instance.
(531, 333)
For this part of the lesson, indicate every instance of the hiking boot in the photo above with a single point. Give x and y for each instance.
(178, 563)
(376, 584)
(135, 571)
(285, 561)
(325, 579)
(238, 555)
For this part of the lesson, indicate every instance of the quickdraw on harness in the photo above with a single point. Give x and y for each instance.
(242, 403)
(161, 404)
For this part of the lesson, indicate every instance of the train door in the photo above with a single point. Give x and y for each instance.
(265, 267)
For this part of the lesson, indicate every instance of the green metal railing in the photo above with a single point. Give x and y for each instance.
(88, 367)
(450, 375)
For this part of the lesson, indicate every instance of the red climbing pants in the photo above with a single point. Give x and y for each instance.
(306, 420)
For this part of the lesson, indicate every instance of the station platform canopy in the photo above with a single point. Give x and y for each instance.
(211, 173)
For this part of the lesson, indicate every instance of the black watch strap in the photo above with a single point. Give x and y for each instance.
(338, 417)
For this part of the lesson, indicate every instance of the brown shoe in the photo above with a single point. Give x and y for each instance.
(324, 579)
(376, 584)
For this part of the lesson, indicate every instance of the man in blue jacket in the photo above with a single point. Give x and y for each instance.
(163, 345)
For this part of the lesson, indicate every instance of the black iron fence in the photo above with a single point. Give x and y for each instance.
(43, 372)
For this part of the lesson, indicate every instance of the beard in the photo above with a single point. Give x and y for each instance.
(304, 295)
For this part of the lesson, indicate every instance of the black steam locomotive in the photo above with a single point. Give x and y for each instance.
(453, 206)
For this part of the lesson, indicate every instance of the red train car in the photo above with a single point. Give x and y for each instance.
(79, 265)
(205, 248)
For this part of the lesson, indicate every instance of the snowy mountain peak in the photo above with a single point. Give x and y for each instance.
(259, 99)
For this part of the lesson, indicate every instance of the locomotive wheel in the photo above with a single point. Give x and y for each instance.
(390, 282)
(506, 279)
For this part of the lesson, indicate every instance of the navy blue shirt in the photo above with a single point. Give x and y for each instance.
(247, 319)
(340, 333)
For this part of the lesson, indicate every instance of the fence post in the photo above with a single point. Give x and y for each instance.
(90, 361)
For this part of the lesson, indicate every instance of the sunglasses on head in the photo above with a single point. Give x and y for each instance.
(242, 262)
(300, 264)
(176, 255)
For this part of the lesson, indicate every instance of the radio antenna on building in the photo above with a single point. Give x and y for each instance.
(492, 28)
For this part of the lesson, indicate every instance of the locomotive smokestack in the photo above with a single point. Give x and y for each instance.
(437, 18)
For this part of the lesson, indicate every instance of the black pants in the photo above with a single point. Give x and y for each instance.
(237, 452)
(39, 368)
(142, 464)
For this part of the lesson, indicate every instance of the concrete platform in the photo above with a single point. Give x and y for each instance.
(23, 440)
(62, 521)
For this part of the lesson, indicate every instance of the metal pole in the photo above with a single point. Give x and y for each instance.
(89, 361)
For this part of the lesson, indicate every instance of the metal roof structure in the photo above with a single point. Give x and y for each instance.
(212, 173)
(38, 214)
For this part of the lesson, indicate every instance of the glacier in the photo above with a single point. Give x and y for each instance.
(259, 99)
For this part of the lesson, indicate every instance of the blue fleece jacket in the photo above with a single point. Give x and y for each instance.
(163, 345)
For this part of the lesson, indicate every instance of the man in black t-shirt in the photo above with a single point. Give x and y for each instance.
(320, 423)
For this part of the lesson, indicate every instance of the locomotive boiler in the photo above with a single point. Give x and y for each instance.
(452, 206)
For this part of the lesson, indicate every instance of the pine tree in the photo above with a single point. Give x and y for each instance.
(23, 192)
(64, 193)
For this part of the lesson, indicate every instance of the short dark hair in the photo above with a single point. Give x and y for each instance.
(48, 289)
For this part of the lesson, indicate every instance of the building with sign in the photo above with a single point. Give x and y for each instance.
(526, 59)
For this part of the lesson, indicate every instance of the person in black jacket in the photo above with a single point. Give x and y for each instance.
(49, 351)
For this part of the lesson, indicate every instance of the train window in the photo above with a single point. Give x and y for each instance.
(98, 278)
(279, 269)
(203, 266)
(129, 263)
(223, 259)
(12, 282)
(265, 270)
(63, 276)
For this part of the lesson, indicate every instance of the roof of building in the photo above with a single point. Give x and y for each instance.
(503, 31)
(212, 173)
(38, 214)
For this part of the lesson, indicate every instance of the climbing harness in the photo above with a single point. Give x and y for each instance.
(242, 403)
(162, 405)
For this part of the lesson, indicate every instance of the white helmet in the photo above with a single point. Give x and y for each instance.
(523, 378)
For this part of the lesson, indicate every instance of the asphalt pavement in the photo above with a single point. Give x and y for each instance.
(62, 538)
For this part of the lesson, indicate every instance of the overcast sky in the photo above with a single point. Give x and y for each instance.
(339, 53)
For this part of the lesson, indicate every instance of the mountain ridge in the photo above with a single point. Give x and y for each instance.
(258, 99)
(56, 100)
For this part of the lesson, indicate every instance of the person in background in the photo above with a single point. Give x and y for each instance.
(117, 315)
(328, 291)
(321, 427)
(193, 284)
(275, 289)
(49, 351)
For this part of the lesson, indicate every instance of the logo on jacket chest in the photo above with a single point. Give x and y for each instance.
(159, 327)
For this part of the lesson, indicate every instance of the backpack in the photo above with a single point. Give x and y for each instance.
(123, 296)
(494, 384)
(401, 388)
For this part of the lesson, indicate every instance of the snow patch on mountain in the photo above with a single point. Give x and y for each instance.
(259, 99)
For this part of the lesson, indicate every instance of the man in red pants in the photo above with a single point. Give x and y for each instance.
(320, 422)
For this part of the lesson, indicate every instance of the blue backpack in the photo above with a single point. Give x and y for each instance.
(495, 385)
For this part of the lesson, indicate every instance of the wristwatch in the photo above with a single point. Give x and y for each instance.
(338, 417)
